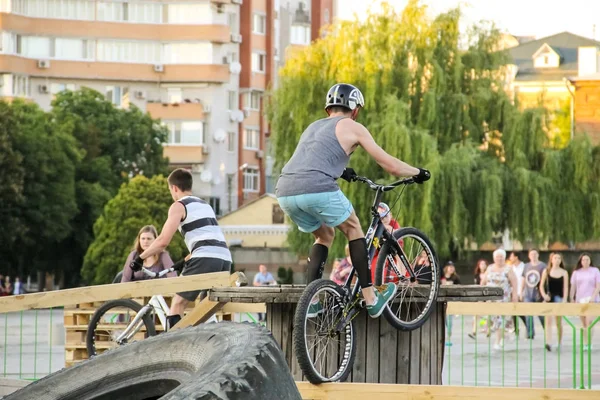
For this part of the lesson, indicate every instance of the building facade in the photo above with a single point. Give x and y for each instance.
(201, 66)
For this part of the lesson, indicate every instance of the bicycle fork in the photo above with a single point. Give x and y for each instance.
(133, 327)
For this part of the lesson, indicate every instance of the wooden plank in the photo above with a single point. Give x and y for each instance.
(372, 350)
(279, 294)
(415, 356)
(434, 349)
(244, 308)
(362, 391)
(206, 308)
(425, 372)
(403, 357)
(553, 309)
(388, 343)
(360, 336)
(112, 291)
(201, 313)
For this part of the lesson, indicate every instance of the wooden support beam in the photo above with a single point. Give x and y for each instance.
(553, 309)
(206, 308)
(360, 391)
(126, 290)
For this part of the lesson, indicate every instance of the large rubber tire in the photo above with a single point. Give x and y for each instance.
(126, 303)
(301, 346)
(228, 361)
(389, 315)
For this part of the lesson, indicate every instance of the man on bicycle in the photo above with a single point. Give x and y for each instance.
(308, 193)
(203, 237)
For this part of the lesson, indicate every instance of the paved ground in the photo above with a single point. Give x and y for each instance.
(521, 362)
(33, 352)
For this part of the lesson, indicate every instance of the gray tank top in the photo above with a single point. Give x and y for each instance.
(318, 161)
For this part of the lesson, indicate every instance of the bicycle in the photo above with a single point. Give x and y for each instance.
(114, 321)
(414, 270)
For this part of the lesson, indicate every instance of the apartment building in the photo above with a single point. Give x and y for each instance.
(201, 66)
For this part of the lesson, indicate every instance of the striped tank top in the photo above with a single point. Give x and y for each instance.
(201, 232)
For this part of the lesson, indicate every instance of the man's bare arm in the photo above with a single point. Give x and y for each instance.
(389, 163)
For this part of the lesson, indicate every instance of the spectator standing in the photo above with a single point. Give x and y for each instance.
(450, 278)
(554, 288)
(585, 286)
(501, 275)
(530, 287)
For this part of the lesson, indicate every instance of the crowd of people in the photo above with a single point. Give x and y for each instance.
(535, 281)
(7, 288)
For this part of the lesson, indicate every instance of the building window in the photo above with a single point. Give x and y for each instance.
(71, 49)
(259, 24)
(63, 9)
(251, 139)
(259, 62)
(109, 11)
(232, 100)
(188, 53)
(300, 34)
(251, 177)
(233, 22)
(326, 16)
(253, 100)
(196, 13)
(117, 95)
(215, 203)
(174, 95)
(185, 132)
(56, 88)
(277, 214)
(20, 86)
(231, 141)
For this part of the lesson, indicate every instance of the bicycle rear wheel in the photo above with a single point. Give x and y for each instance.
(110, 320)
(324, 353)
(416, 296)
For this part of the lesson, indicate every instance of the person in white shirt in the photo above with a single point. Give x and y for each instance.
(518, 267)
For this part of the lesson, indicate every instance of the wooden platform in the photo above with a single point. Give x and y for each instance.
(384, 355)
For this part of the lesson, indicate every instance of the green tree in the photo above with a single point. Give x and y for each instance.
(117, 145)
(139, 202)
(12, 177)
(435, 99)
(46, 205)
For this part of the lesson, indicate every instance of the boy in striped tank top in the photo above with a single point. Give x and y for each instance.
(196, 221)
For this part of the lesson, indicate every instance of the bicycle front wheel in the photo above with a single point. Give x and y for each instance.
(325, 346)
(416, 272)
(111, 320)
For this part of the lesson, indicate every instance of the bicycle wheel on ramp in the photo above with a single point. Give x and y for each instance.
(211, 361)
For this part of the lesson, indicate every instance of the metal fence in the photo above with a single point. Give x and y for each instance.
(516, 361)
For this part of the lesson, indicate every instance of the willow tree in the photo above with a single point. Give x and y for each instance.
(435, 99)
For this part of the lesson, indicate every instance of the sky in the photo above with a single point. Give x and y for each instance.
(537, 18)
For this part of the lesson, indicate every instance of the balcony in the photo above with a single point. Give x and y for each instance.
(176, 111)
(212, 73)
(113, 30)
(184, 154)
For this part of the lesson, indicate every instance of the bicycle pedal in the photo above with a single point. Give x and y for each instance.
(362, 303)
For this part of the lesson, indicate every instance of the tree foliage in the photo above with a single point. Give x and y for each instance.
(43, 191)
(139, 202)
(435, 99)
(117, 144)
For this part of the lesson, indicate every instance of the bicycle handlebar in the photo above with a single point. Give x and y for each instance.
(384, 188)
(178, 266)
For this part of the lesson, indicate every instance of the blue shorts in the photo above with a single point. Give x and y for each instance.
(310, 211)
